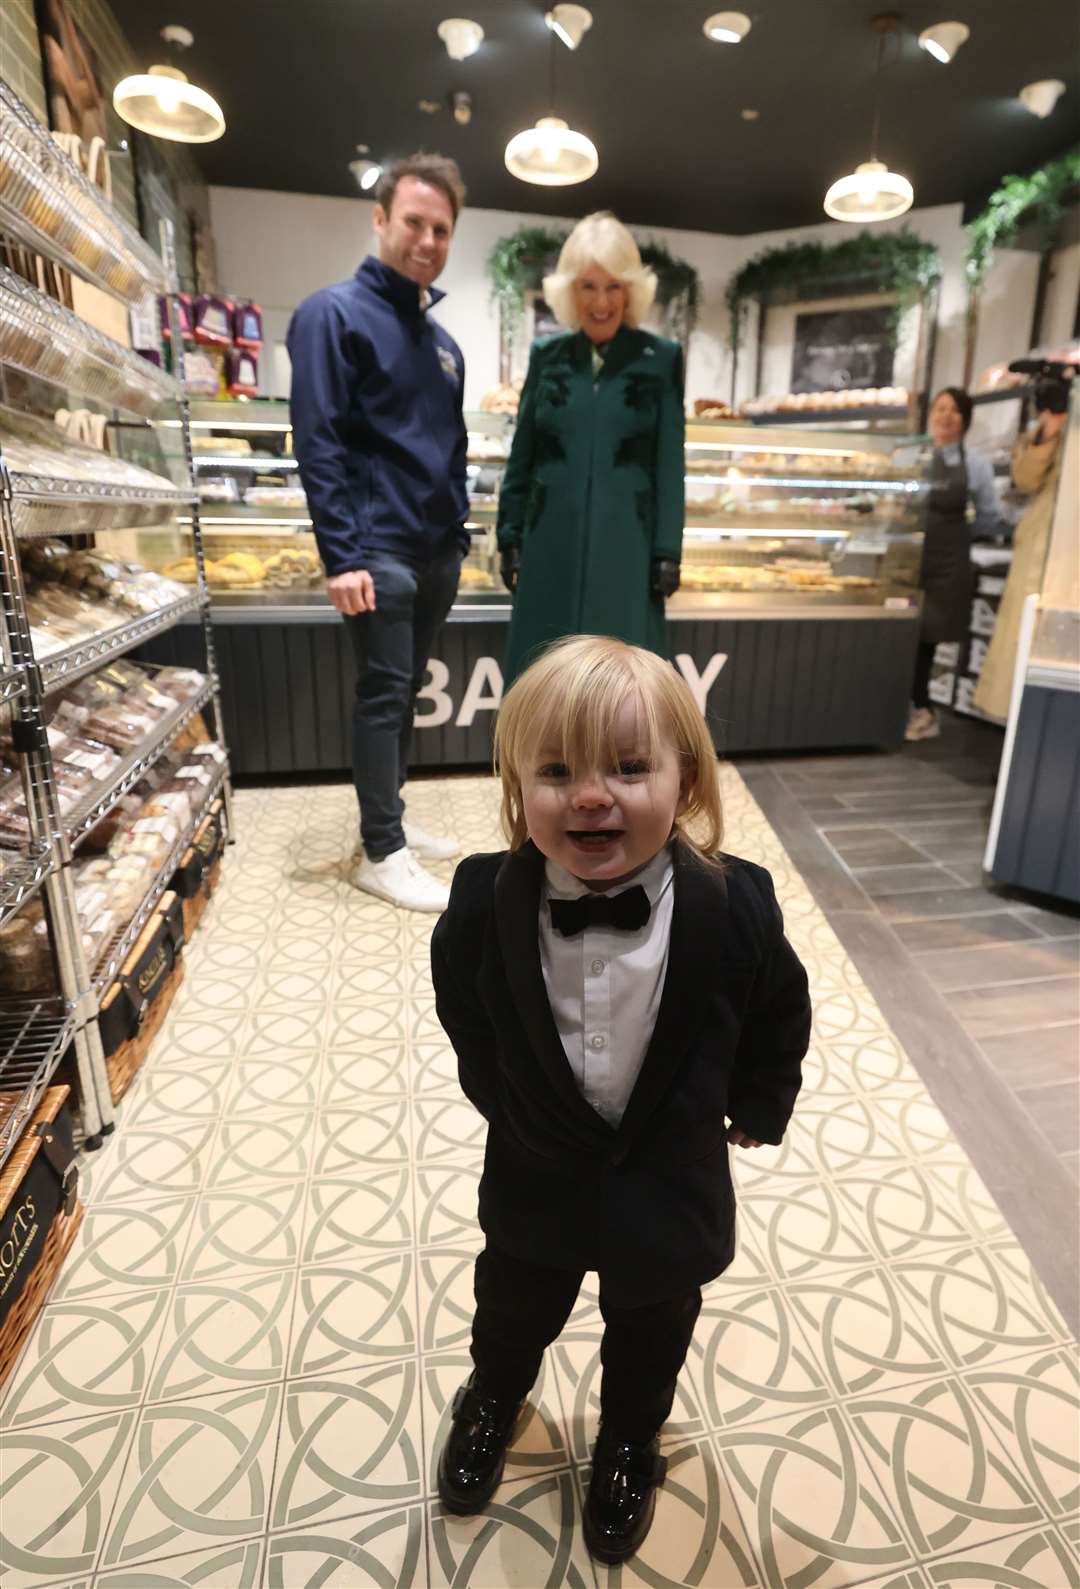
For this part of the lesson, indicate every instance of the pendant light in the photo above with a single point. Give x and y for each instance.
(872, 192)
(727, 27)
(551, 154)
(570, 23)
(944, 39)
(163, 103)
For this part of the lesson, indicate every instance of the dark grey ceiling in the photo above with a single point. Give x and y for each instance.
(302, 82)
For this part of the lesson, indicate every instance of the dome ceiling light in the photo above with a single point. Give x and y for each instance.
(727, 27)
(569, 23)
(551, 154)
(872, 192)
(164, 104)
(944, 39)
(461, 37)
(1040, 98)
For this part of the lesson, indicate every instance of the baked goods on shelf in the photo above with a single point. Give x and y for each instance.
(712, 408)
(890, 397)
(504, 398)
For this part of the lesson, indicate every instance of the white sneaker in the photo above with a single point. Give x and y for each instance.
(922, 724)
(429, 846)
(401, 880)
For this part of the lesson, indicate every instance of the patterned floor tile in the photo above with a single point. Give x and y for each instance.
(805, 1230)
(539, 1440)
(350, 1443)
(446, 1300)
(529, 1538)
(161, 1095)
(353, 1314)
(265, 1150)
(237, 1566)
(351, 1080)
(941, 1468)
(446, 1201)
(810, 1501)
(59, 1489)
(1034, 1560)
(866, 1332)
(434, 1069)
(447, 1129)
(198, 1473)
(245, 1230)
(697, 1538)
(122, 1246)
(90, 1356)
(1033, 1406)
(348, 1218)
(152, 1161)
(191, 1040)
(224, 1335)
(351, 1027)
(749, 1360)
(980, 1310)
(276, 1082)
(384, 1550)
(352, 1141)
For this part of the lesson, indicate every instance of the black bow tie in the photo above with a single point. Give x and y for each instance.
(628, 910)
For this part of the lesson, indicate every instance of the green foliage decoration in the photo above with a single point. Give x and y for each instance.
(518, 263)
(1041, 196)
(900, 262)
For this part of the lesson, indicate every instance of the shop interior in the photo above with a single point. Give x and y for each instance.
(237, 1173)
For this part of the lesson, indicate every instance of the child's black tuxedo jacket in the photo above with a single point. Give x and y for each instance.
(649, 1202)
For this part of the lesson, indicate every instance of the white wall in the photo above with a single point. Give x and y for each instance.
(279, 247)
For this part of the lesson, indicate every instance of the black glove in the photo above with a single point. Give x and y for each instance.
(665, 576)
(510, 567)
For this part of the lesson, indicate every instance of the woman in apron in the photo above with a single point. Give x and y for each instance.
(958, 474)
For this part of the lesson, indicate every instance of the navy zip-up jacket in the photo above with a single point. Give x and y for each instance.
(378, 429)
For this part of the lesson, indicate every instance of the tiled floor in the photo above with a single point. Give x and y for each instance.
(892, 847)
(242, 1378)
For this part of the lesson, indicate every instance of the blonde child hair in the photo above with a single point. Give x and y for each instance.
(602, 240)
(569, 701)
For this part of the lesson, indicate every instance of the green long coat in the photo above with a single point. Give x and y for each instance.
(594, 491)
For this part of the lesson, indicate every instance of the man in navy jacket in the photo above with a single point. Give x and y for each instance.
(380, 438)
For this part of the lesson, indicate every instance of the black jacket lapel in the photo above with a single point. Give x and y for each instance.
(699, 909)
(517, 905)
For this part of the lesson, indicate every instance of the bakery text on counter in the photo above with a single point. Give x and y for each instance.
(483, 693)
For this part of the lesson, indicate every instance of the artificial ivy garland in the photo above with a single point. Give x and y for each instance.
(901, 260)
(518, 264)
(1042, 195)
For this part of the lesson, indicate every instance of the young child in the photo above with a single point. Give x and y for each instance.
(615, 992)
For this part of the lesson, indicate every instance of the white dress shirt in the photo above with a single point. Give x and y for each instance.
(604, 985)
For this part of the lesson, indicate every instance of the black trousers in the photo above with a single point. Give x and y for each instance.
(920, 685)
(521, 1308)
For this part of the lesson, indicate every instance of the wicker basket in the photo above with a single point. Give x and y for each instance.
(20, 1317)
(126, 1058)
(199, 871)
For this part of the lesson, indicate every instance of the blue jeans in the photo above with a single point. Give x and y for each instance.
(391, 646)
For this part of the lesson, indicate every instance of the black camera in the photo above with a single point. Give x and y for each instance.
(1052, 380)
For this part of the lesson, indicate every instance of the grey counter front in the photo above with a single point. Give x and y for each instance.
(769, 676)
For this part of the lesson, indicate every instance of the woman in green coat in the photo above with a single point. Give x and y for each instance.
(591, 509)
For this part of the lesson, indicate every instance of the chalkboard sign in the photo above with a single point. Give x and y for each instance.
(841, 348)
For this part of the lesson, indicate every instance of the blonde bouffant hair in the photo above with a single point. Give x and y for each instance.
(568, 703)
(602, 240)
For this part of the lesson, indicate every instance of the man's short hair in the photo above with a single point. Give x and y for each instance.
(439, 171)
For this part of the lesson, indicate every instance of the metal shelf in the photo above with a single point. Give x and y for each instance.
(34, 1036)
(12, 685)
(120, 946)
(62, 667)
(24, 871)
(252, 461)
(42, 338)
(825, 416)
(47, 202)
(99, 800)
(44, 505)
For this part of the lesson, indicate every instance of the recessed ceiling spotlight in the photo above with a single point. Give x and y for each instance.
(749, 115)
(462, 105)
(727, 27)
(461, 37)
(367, 172)
(944, 39)
(569, 23)
(430, 107)
(1040, 98)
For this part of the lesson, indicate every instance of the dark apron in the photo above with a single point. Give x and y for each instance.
(947, 575)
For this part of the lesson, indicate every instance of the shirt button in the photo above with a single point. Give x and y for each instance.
(596, 967)
(598, 1041)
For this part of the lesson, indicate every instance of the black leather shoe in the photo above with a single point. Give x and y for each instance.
(622, 1497)
(473, 1458)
